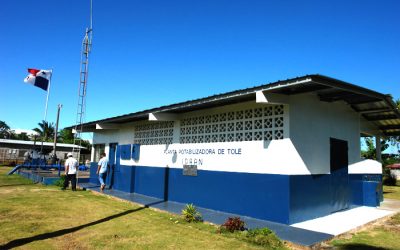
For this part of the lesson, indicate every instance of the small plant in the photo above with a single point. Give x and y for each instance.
(190, 213)
(264, 237)
(232, 225)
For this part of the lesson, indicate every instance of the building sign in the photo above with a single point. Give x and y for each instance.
(196, 156)
(190, 170)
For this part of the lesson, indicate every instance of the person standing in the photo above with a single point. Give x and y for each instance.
(27, 157)
(71, 166)
(102, 170)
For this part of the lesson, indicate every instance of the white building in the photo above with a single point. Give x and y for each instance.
(287, 151)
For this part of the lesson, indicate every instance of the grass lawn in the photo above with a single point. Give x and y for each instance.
(34, 216)
(381, 235)
(392, 192)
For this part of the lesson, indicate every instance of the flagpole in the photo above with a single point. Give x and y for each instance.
(48, 93)
(45, 109)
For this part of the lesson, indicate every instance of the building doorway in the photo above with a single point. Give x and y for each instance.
(112, 162)
(339, 164)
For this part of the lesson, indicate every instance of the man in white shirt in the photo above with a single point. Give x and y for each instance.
(102, 170)
(71, 166)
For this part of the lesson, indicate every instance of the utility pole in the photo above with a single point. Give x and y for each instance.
(84, 73)
(54, 160)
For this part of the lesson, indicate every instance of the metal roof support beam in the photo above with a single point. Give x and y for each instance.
(163, 117)
(368, 111)
(335, 96)
(358, 102)
(390, 127)
(107, 126)
(392, 134)
(381, 117)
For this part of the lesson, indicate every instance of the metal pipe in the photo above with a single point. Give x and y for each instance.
(55, 134)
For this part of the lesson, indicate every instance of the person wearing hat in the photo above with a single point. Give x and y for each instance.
(71, 166)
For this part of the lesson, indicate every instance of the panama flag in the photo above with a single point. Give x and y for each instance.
(39, 78)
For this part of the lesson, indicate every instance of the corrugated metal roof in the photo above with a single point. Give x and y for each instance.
(375, 107)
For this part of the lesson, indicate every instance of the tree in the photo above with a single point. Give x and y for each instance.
(22, 136)
(86, 144)
(370, 153)
(45, 131)
(395, 140)
(5, 131)
(66, 136)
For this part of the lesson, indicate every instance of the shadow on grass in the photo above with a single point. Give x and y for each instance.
(23, 241)
(358, 246)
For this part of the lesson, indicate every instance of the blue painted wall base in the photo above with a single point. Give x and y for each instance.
(93, 175)
(280, 198)
(366, 189)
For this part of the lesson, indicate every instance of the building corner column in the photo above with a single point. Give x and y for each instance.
(378, 148)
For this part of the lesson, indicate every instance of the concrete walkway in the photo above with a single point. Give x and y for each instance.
(391, 205)
(343, 221)
(306, 233)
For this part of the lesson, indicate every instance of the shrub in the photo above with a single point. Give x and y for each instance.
(264, 237)
(232, 225)
(259, 231)
(190, 213)
(389, 180)
(60, 181)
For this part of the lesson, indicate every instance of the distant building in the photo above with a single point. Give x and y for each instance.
(13, 151)
(395, 170)
(287, 151)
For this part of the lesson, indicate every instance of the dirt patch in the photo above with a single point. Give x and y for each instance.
(6, 191)
(43, 189)
(12, 190)
(69, 241)
(293, 246)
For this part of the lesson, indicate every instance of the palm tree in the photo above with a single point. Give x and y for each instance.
(45, 131)
(5, 131)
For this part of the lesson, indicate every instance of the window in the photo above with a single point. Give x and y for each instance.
(98, 149)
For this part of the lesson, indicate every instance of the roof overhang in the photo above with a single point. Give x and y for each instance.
(21, 144)
(377, 108)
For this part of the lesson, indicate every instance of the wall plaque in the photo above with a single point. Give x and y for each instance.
(190, 170)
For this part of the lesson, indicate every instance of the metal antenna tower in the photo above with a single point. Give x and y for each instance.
(83, 77)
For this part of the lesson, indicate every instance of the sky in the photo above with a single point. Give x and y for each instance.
(153, 53)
